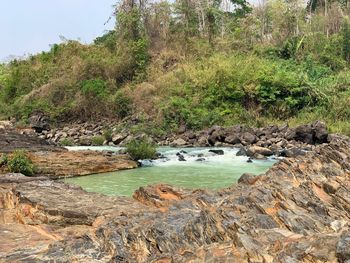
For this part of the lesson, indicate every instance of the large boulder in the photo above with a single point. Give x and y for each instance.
(248, 138)
(320, 132)
(118, 138)
(39, 122)
(253, 150)
(178, 142)
(232, 139)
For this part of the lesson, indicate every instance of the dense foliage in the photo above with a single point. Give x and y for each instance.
(194, 64)
(18, 163)
(141, 150)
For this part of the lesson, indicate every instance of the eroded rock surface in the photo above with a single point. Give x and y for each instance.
(299, 211)
(57, 162)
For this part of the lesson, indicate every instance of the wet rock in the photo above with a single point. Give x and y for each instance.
(258, 156)
(249, 160)
(253, 150)
(181, 158)
(242, 152)
(217, 152)
(200, 160)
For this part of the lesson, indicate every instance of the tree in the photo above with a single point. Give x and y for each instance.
(346, 39)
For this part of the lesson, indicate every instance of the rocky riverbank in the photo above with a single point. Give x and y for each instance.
(297, 212)
(56, 162)
(254, 142)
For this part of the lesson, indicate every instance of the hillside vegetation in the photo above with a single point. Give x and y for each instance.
(194, 64)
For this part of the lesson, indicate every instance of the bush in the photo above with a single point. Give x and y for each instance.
(123, 104)
(141, 150)
(107, 134)
(20, 163)
(97, 140)
(4, 160)
(66, 142)
(94, 88)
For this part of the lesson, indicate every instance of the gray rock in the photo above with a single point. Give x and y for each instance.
(232, 139)
(343, 248)
(242, 152)
(249, 138)
(217, 152)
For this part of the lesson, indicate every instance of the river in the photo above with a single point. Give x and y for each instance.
(202, 169)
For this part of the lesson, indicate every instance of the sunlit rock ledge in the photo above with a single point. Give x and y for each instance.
(298, 211)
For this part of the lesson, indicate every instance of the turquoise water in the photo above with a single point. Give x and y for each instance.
(213, 172)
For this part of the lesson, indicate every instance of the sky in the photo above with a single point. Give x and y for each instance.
(31, 26)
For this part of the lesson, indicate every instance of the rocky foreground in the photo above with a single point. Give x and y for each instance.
(299, 211)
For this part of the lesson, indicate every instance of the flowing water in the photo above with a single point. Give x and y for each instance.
(202, 169)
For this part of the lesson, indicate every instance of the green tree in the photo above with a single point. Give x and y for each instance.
(346, 40)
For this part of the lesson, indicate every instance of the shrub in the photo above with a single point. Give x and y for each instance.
(66, 142)
(107, 134)
(94, 87)
(20, 163)
(4, 160)
(123, 104)
(97, 140)
(141, 150)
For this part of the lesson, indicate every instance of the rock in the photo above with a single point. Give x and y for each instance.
(232, 139)
(249, 138)
(11, 140)
(214, 138)
(249, 160)
(200, 160)
(181, 158)
(57, 162)
(248, 178)
(331, 187)
(259, 156)
(179, 142)
(242, 152)
(293, 152)
(118, 138)
(284, 216)
(217, 152)
(39, 122)
(202, 141)
(343, 248)
(321, 133)
(252, 150)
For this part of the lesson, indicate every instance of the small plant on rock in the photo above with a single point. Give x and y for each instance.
(4, 160)
(20, 163)
(107, 134)
(66, 142)
(141, 150)
(97, 140)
